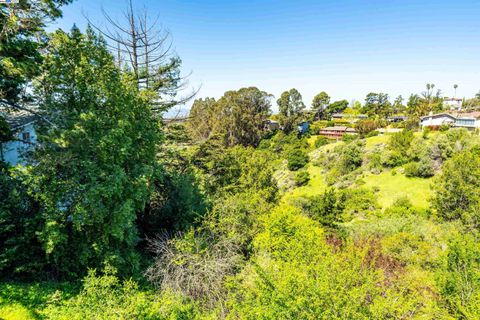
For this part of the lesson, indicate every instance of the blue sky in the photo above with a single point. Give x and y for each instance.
(346, 48)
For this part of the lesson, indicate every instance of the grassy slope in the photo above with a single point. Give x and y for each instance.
(390, 187)
(25, 301)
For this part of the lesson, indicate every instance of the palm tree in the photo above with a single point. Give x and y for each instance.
(455, 86)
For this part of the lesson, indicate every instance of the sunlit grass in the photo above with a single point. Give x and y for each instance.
(391, 187)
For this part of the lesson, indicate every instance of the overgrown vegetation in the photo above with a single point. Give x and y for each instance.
(117, 215)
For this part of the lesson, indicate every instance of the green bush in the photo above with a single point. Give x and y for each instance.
(106, 297)
(302, 177)
(372, 134)
(349, 137)
(321, 141)
(422, 169)
(297, 159)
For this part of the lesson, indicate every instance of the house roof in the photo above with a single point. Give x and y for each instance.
(438, 115)
(473, 114)
(336, 128)
(17, 119)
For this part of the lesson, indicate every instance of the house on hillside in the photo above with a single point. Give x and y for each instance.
(397, 118)
(454, 104)
(469, 121)
(348, 116)
(271, 125)
(22, 125)
(336, 132)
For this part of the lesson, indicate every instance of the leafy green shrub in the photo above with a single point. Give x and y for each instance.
(456, 193)
(422, 169)
(325, 208)
(321, 141)
(401, 141)
(444, 127)
(349, 137)
(373, 133)
(106, 297)
(297, 159)
(302, 177)
(392, 159)
(365, 127)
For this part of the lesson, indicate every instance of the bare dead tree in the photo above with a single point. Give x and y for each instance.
(198, 270)
(144, 48)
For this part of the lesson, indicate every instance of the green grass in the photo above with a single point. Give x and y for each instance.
(315, 186)
(391, 187)
(371, 142)
(25, 301)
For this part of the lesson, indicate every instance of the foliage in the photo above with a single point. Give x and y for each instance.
(238, 117)
(326, 208)
(290, 106)
(19, 222)
(377, 104)
(202, 118)
(19, 42)
(422, 169)
(297, 159)
(107, 297)
(6, 133)
(296, 275)
(400, 142)
(320, 103)
(460, 281)
(335, 107)
(321, 141)
(456, 188)
(92, 174)
(302, 177)
(364, 127)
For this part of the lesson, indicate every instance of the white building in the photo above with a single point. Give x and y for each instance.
(453, 103)
(469, 121)
(24, 139)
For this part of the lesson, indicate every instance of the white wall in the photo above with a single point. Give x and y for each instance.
(13, 150)
(436, 121)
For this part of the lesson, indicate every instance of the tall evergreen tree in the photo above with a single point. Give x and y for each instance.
(290, 106)
(93, 168)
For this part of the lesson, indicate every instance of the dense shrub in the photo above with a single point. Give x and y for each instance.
(349, 137)
(422, 169)
(321, 141)
(19, 224)
(364, 127)
(106, 297)
(456, 193)
(325, 208)
(401, 141)
(295, 274)
(296, 159)
(302, 177)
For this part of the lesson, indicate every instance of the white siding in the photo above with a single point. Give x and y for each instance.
(13, 151)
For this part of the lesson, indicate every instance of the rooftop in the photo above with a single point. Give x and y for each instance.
(17, 119)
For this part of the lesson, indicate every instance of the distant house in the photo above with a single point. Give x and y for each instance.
(271, 125)
(453, 103)
(25, 137)
(469, 121)
(303, 127)
(348, 116)
(336, 132)
(397, 118)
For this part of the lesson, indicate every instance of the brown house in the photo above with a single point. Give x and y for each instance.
(336, 132)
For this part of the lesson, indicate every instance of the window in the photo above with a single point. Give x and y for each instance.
(465, 122)
(26, 136)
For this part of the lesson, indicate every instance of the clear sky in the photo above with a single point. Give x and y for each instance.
(346, 48)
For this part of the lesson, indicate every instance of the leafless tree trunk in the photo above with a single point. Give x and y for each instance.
(146, 49)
